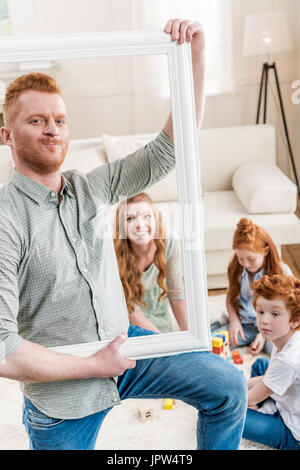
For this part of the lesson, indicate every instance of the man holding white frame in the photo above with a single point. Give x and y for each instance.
(39, 140)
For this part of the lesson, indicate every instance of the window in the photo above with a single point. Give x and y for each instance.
(4, 19)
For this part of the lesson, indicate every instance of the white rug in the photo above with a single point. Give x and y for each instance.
(122, 430)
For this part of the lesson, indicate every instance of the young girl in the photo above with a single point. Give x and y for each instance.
(255, 255)
(149, 266)
(277, 303)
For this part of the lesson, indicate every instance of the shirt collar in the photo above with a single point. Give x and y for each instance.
(257, 275)
(38, 192)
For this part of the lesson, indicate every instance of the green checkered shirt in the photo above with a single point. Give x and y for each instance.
(59, 281)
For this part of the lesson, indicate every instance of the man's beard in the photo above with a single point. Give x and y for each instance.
(38, 162)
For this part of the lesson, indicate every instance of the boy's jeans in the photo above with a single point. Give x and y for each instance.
(268, 429)
(201, 379)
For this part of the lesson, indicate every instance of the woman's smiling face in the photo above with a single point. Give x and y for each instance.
(140, 223)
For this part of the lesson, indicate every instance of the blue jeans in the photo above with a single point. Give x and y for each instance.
(264, 428)
(201, 379)
(250, 333)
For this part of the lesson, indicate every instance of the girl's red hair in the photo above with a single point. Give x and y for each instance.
(250, 237)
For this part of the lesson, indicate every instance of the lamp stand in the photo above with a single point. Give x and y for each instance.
(264, 85)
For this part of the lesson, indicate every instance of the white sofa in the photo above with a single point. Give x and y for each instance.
(239, 178)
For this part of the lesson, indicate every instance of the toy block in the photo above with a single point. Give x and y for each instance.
(224, 333)
(238, 360)
(217, 350)
(235, 353)
(144, 412)
(168, 403)
(217, 345)
(217, 342)
(226, 349)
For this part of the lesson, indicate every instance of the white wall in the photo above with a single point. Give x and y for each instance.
(108, 103)
(240, 107)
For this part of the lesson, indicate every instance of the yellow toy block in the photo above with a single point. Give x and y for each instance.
(168, 403)
(217, 342)
(225, 333)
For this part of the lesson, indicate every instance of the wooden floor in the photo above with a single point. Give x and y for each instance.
(290, 255)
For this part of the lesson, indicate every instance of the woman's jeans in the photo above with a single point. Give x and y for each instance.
(201, 379)
(268, 429)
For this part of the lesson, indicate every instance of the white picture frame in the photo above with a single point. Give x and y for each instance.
(18, 49)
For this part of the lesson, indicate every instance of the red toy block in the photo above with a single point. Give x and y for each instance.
(238, 360)
(235, 353)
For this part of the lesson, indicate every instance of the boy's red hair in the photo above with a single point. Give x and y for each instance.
(286, 288)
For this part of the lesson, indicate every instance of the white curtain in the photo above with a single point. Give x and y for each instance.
(43, 17)
(216, 18)
(4, 19)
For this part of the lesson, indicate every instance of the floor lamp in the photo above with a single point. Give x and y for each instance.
(268, 33)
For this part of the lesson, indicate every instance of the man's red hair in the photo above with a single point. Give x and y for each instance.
(31, 81)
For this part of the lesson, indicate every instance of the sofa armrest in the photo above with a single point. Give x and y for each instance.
(263, 188)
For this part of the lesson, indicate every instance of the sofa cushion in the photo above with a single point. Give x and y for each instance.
(223, 210)
(6, 164)
(263, 188)
(84, 160)
(119, 146)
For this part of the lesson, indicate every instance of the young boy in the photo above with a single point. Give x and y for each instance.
(276, 422)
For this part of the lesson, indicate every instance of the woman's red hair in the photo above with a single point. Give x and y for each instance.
(129, 273)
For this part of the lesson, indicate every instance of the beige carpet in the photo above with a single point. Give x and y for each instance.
(122, 430)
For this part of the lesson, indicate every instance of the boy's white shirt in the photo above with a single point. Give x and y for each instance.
(283, 378)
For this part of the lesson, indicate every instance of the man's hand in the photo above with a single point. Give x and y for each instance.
(108, 362)
(189, 31)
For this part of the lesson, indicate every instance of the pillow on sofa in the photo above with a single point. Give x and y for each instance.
(263, 188)
(84, 160)
(6, 164)
(119, 146)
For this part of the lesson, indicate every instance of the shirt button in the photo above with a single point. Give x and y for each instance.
(85, 270)
(95, 302)
(52, 194)
(74, 239)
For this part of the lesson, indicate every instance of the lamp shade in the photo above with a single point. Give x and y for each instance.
(266, 33)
